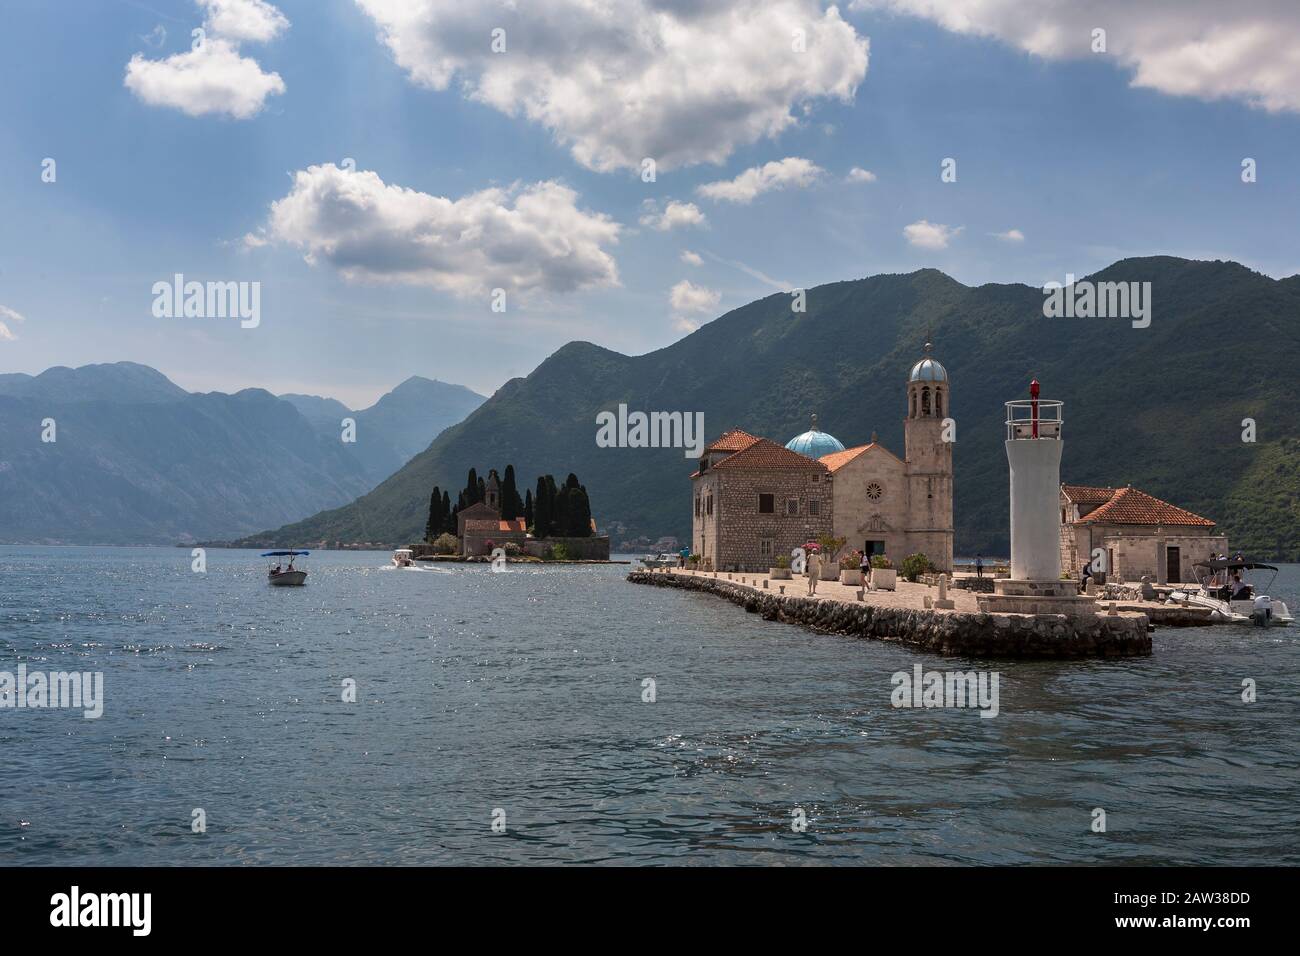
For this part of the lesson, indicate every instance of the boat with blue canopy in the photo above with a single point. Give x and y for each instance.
(282, 573)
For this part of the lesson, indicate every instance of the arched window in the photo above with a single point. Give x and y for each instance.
(913, 403)
(938, 401)
(925, 401)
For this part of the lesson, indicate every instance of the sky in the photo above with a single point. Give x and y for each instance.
(455, 190)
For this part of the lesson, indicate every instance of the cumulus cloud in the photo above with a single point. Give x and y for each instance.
(687, 297)
(522, 239)
(7, 316)
(1011, 235)
(213, 76)
(791, 172)
(255, 21)
(691, 258)
(859, 175)
(673, 215)
(1202, 48)
(679, 81)
(930, 235)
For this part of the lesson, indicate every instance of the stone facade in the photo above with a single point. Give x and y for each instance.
(879, 503)
(733, 528)
(1138, 535)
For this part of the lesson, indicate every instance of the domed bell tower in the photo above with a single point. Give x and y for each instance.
(929, 460)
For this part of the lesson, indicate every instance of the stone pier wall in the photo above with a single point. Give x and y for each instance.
(947, 633)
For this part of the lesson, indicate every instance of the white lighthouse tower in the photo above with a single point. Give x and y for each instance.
(1034, 445)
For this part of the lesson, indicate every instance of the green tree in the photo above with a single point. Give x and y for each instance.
(509, 496)
(541, 510)
(437, 519)
(528, 508)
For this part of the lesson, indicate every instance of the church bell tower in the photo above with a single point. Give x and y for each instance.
(928, 457)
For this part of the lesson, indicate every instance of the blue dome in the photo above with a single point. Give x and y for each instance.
(814, 443)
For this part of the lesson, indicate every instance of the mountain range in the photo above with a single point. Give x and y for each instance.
(136, 459)
(1162, 408)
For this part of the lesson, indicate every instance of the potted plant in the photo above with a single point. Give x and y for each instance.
(693, 561)
(883, 575)
(780, 570)
(829, 546)
(851, 568)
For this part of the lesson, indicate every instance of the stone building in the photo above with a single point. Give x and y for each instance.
(1137, 534)
(483, 534)
(751, 503)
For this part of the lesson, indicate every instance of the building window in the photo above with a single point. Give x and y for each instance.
(697, 506)
(792, 506)
(925, 401)
(709, 503)
(766, 504)
(764, 547)
(874, 491)
(938, 401)
(814, 506)
(815, 476)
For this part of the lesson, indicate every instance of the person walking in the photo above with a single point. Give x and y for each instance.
(814, 571)
(979, 565)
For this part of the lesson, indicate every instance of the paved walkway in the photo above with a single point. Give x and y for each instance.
(909, 596)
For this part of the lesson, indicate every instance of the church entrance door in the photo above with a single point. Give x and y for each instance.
(870, 547)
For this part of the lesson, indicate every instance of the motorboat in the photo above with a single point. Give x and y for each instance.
(402, 558)
(1236, 592)
(665, 559)
(282, 573)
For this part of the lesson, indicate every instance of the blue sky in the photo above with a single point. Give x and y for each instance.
(1050, 139)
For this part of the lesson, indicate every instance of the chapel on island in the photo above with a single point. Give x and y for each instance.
(755, 499)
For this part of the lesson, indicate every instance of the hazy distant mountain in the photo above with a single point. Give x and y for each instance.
(397, 427)
(138, 460)
(1160, 407)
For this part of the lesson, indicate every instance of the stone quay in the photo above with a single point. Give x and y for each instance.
(902, 616)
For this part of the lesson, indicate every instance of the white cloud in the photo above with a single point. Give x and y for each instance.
(8, 315)
(679, 81)
(930, 235)
(1203, 48)
(155, 37)
(521, 238)
(682, 324)
(859, 175)
(213, 77)
(686, 297)
(1011, 235)
(673, 215)
(789, 172)
(255, 21)
(691, 258)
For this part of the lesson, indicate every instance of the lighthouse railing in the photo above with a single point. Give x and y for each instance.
(1030, 418)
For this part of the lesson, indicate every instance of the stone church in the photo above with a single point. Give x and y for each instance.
(755, 499)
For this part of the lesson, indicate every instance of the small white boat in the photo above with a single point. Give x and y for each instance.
(1226, 588)
(282, 574)
(402, 558)
(665, 559)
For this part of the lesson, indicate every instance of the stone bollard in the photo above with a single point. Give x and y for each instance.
(862, 594)
(928, 602)
(943, 602)
(782, 587)
(1112, 612)
(764, 584)
(1087, 586)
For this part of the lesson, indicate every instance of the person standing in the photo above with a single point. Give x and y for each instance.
(979, 566)
(814, 571)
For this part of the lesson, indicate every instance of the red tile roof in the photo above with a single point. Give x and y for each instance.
(761, 453)
(1130, 506)
(734, 440)
(838, 459)
(1088, 494)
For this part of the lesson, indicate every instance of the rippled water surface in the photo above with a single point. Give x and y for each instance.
(523, 691)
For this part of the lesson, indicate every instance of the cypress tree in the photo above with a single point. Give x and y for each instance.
(448, 519)
(433, 527)
(471, 488)
(509, 498)
(528, 508)
(580, 511)
(541, 510)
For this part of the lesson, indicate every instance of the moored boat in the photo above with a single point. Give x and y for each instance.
(1232, 591)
